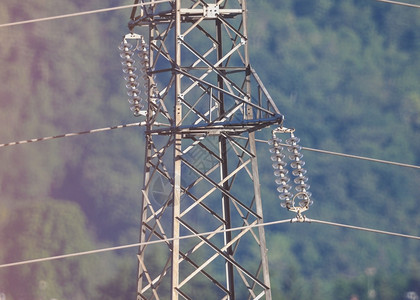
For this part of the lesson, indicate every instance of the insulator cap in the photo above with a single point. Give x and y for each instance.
(275, 150)
(136, 109)
(135, 101)
(284, 188)
(279, 165)
(129, 70)
(275, 141)
(294, 148)
(277, 157)
(302, 187)
(286, 204)
(280, 173)
(128, 62)
(125, 46)
(132, 85)
(282, 181)
(297, 164)
(305, 195)
(300, 180)
(131, 77)
(299, 172)
(285, 196)
(126, 54)
(295, 156)
(293, 140)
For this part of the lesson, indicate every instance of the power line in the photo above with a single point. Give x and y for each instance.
(364, 229)
(71, 134)
(362, 158)
(353, 156)
(135, 5)
(81, 13)
(122, 247)
(399, 3)
(138, 244)
(257, 140)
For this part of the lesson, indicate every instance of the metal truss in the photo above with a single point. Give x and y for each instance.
(205, 103)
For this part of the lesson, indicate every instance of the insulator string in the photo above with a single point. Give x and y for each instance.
(135, 90)
(281, 162)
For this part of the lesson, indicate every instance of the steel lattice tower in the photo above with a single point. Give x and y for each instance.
(204, 104)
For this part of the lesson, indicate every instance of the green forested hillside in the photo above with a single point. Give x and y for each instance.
(346, 76)
(344, 73)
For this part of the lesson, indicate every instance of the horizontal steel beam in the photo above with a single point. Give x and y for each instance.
(218, 128)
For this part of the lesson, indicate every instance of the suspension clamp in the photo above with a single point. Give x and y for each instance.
(300, 218)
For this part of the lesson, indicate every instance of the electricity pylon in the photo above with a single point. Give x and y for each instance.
(204, 104)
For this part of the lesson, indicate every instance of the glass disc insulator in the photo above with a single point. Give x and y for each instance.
(131, 77)
(279, 164)
(133, 93)
(301, 179)
(299, 172)
(297, 164)
(293, 148)
(280, 173)
(285, 196)
(284, 188)
(125, 46)
(135, 108)
(275, 150)
(285, 204)
(277, 157)
(129, 70)
(302, 187)
(126, 54)
(274, 141)
(304, 195)
(296, 155)
(292, 140)
(281, 179)
(128, 62)
(132, 85)
(135, 101)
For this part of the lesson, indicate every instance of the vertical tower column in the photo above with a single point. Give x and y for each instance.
(177, 157)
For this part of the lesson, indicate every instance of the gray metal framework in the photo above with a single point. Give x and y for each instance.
(205, 103)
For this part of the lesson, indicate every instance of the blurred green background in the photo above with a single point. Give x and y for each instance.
(346, 75)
